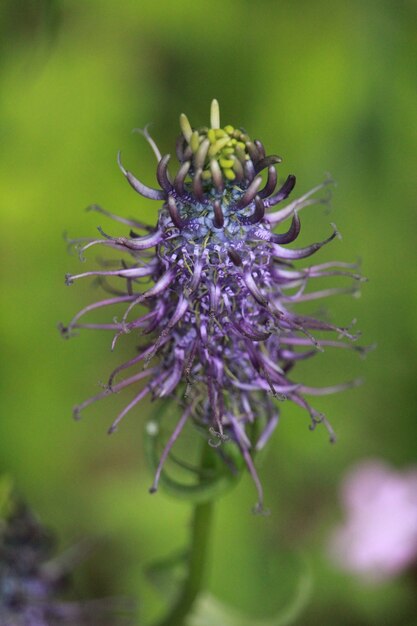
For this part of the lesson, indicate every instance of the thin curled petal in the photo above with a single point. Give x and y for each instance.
(175, 213)
(130, 222)
(267, 162)
(250, 193)
(301, 253)
(151, 142)
(282, 193)
(122, 385)
(292, 233)
(131, 272)
(128, 408)
(161, 285)
(270, 184)
(267, 432)
(98, 305)
(298, 204)
(141, 188)
(167, 449)
(162, 173)
(180, 177)
(257, 214)
(133, 243)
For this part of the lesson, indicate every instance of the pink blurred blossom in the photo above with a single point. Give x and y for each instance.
(378, 539)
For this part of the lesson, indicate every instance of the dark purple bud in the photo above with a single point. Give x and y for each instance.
(249, 169)
(253, 151)
(162, 173)
(267, 162)
(198, 185)
(261, 148)
(174, 213)
(217, 175)
(291, 234)
(180, 177)
(302, 253)
(218, 214)
(283, 192)
(201, 154)
(238, 170)
(270, 184)
(234, 257)
(258, 213)
(250, 193)
(179, 148)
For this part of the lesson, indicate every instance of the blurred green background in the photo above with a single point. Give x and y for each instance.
(328, 86)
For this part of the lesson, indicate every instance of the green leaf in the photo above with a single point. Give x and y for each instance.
(209, 611)
(167, 574)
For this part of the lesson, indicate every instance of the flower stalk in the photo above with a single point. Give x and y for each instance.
(197, 556)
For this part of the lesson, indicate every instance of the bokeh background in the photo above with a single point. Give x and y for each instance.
(327, 85)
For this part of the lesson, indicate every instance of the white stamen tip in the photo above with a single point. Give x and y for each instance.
(215, 114)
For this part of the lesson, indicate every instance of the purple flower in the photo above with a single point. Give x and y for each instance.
(31, 580)
(379, 537)
(218, 329)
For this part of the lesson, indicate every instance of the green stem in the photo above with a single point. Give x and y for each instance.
(199, 544)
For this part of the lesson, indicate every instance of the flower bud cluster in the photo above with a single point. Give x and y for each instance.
(32, 579)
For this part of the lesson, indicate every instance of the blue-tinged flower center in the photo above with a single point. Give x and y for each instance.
(201, 223)
(217, 194)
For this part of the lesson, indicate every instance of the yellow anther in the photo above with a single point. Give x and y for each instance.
(229, 174)
(206, 175)
(229, 129)
(211, 134)
(220, 143)
(185, 125)
(215, 114)
(220, 133)
(226, 162)
(194, 141)
(241, 145)
(228, 150)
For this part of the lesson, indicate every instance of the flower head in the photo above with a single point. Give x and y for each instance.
(379, 537)
(31, 580)
(218, 329)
